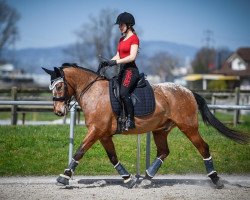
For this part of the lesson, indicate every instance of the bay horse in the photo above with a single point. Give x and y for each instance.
(176, 106)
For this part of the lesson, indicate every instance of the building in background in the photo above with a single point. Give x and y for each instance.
(10, 76)
(238, 64)
(235, 72)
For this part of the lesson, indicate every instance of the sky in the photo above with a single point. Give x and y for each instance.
(49, 23)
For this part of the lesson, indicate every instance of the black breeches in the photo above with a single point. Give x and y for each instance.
(129, 78)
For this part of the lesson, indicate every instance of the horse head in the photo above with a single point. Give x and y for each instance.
(60, 91)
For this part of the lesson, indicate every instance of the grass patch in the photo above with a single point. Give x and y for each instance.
(31, 116)
(43, 150)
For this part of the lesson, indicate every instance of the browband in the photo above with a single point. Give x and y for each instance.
(52, 85)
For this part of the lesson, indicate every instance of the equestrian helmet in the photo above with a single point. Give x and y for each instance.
(125, 18)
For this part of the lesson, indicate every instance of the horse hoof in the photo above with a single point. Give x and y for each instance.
(219, 184)
(63, 180)
(216, 181)
(130, 182)
(145, 183)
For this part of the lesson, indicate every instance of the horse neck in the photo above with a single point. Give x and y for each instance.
(79, 79)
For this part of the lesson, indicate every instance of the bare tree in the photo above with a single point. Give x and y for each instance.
(162, 64)
(221, 56)
(8, 29)
(204, 61)
(97, 37)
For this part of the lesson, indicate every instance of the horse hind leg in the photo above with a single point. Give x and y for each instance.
(160, 139)
(193, 135)
(108, 145)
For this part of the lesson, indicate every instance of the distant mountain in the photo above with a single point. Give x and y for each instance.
(182, 51)
(32, 59)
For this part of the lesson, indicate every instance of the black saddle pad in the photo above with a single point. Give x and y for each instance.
(143, 100)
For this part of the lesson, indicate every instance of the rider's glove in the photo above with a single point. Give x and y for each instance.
(108, 63)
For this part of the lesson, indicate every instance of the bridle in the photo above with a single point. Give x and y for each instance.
(66, 98)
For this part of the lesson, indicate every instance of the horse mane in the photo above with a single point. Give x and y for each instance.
(75, 65)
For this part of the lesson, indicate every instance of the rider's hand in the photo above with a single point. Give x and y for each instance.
(112, 62)
(108, 63)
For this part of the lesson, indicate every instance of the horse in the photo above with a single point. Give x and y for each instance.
(175, 106)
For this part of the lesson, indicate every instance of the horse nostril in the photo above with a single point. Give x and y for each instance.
(59, 113)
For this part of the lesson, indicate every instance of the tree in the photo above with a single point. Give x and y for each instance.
(204, 61)
(162, 64)
(96, 37)
(222, 55)
(8, 29)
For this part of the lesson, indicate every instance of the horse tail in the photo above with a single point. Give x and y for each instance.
(210, 119)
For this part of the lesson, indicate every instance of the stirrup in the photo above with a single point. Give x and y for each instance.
(130, 124)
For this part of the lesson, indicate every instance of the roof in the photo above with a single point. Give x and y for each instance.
(244, 53)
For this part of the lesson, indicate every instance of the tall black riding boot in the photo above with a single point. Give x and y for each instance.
(129, 109)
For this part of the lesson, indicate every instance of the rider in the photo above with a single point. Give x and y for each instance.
(126, 54)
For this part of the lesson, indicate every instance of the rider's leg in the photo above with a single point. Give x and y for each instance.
(129, 79)
(129, 111)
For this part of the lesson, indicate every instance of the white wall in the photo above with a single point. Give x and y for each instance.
(238, 64)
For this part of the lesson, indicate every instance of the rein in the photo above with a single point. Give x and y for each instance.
(85, 90)
(89, 85)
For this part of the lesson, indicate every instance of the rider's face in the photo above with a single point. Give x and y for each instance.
(123, 28)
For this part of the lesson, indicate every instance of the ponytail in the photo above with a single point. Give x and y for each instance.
(129, 26)
(133, 30)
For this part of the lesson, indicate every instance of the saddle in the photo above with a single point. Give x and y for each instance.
(142, 97)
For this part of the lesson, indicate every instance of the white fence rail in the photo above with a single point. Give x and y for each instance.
(73, 118)
(230, 107)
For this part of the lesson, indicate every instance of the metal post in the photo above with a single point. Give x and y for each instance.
(148, 150)
(23, 118)
(71, 132)
(78, 116)
(237, 100)
(138, 156)
(64, 119)
(204, 84)
(213, 102)
(14, 107)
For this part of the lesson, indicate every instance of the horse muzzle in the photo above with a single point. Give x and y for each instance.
(61, 111)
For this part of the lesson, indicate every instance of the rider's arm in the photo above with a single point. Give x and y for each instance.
(131, 57)
(116, 57)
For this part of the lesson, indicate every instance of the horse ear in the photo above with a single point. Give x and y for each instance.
(58, 72)
(50, 72)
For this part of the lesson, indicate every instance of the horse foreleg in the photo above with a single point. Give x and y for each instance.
(160, 139)
(108, 145)
(88, 141)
